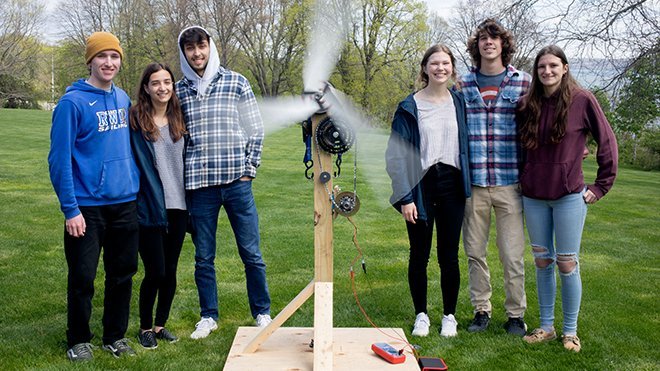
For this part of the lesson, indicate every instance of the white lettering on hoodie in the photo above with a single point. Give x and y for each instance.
(112, 119)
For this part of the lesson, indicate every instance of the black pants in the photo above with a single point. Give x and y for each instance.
(115, 229)
(445, 199)
(160, 248)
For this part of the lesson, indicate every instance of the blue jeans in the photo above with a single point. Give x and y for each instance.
(555, 231)
(204, 207)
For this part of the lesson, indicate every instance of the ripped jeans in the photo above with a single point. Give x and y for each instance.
(555, 231)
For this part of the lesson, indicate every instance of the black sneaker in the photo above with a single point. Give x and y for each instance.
(163, 334)
(516, 326)
(479, 323)
(80, 352)
(120, 348)
(147, 339)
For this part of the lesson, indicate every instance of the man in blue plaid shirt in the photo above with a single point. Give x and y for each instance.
(492, 90)
(221, 159)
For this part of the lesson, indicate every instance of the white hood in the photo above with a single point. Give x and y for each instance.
(200, 83)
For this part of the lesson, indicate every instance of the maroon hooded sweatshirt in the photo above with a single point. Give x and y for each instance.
(552, 171)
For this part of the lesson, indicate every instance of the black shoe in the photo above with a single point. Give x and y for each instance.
(479, 323)
(147, 339)
(119, 348)
(80, 352)
(516, 326)
(163, 334)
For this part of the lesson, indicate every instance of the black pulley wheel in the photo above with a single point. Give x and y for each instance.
(334, 136)
(324, 177)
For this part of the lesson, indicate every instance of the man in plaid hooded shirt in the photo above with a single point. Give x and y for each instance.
(221, 159)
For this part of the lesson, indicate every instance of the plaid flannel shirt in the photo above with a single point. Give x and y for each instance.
(226, 131)
(495, 152)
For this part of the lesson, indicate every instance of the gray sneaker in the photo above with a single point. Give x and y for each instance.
(120, 348)
(163, 334)
(516, 326)
(80, 352)
(147, 339)
(480, 322)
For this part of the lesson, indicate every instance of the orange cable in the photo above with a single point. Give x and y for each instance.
(357, 300)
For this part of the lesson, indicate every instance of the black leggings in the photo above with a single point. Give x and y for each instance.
(160, 248)
(445, 201)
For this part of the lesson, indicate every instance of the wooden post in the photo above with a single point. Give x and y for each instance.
(323, 264)
(322, 285)
(322, 211)
(323, 340)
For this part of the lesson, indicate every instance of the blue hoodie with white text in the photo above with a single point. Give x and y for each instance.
(90, 158)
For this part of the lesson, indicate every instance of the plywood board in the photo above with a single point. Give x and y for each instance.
(288, 349)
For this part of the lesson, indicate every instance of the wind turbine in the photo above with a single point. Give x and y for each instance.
(336, 124)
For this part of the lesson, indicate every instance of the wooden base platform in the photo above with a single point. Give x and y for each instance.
(288, 349)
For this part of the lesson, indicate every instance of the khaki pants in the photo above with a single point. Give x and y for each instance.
(507, 203)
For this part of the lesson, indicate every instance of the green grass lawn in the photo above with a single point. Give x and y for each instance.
(620, 264)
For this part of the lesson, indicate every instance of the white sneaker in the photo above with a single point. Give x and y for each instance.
(422, 324)
(263, 320)
(203, 328)
(449, 325)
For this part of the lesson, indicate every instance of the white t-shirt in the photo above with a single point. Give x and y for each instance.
(438, 131)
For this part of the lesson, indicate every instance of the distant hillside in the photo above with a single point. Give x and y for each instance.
(592, 73)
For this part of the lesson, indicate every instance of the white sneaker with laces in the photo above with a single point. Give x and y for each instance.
(203, 328)
(422, 324)
(263, 320)
(449, 325)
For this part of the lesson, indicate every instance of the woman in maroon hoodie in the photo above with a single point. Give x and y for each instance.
(554, 120)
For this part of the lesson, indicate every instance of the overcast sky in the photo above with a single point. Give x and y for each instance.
(442, 7)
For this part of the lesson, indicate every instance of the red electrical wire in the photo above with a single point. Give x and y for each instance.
(357, 300)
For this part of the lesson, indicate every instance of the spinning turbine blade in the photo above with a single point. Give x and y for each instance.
(404, 167)
(341, 107)
(372, 144)
(329, 30)
(280, 112)
(374, 147)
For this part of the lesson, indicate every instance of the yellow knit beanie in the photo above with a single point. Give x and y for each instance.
(100, 41)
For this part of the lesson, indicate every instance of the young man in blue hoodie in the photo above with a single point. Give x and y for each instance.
(224, 151)
(96, 181)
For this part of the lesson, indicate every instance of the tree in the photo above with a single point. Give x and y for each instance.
(519, 17)
(224, 18)
(145, 35)
(620, 32)
(638, 106)
(69, 65)
(387, 32)
(19, 49)
(270, 33)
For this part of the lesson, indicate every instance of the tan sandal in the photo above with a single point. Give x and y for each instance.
(571, 342)
(539, 335)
